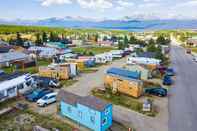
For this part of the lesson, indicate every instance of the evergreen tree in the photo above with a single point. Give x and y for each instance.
(38, 39)
(19, 40)
(126, 41)
(44, 37)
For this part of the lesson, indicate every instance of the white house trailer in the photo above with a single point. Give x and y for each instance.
(14, 84)
(142, 60)
(108, 56)
(103, 58)
(100, 58)
(117, 53)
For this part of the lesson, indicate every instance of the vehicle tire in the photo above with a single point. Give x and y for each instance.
(44, 105)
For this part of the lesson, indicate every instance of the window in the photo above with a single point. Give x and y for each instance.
(28, 83)
(92, 119)
(11, 90)
(69, 109)
(106, 111)
(21, 86)
(80, 114)
(104, 121)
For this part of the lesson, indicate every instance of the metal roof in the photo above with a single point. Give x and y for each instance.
(11, 56)
(89, 101)
(124, 73)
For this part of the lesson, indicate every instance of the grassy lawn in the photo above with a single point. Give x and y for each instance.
(7, 103)
(94, 50)
(194, 49)
(67, 83)
(25, 120)
(89, 70)
(123, 100)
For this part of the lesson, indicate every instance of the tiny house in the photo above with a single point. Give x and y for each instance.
(60, 72)
(88, 111)
(14, 84)
(124, 81)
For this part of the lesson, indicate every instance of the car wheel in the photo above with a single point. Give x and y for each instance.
(44, 105)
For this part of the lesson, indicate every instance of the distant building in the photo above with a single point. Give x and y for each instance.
(192, 41)
(78, 42)
(7, 58)
(88, 111)
(58, 45)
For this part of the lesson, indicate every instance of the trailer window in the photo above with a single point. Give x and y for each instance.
(28, 83)
(21, 86)
(11, 90)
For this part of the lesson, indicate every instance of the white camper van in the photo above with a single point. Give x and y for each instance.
(14, 84)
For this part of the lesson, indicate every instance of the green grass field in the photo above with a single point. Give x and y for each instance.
(123, 100)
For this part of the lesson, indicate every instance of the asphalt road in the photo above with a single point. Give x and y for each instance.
(183, 95)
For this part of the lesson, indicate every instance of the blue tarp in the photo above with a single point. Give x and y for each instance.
(124, 73)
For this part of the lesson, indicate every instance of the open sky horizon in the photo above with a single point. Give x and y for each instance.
(99, 9)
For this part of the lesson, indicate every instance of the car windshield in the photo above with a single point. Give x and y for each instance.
(35, 93)
(45, 98)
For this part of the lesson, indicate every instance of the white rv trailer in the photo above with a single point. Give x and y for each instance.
(117, 53)
(14, 84)
(142, 60)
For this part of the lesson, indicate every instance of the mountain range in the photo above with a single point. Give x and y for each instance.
(126, 23)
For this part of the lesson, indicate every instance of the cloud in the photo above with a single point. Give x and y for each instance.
(56, 2)
(95, 4)
(124, 3)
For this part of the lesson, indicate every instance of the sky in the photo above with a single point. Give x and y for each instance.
(99, 9)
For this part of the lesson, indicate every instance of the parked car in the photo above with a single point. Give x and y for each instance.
(188, 51)
(159, 91)
(47, 99)
(167, 80)
(195, 59)
(37, 94)
(46, 82)
(170, 72)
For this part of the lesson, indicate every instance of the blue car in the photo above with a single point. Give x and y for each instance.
(170, 72)
(159, 91)
(167, 80)
(37, 94)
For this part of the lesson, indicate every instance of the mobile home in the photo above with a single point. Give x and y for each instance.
(14, 84)
(143, 60)
(117, 53)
